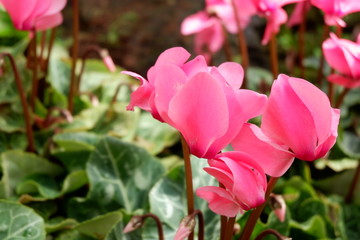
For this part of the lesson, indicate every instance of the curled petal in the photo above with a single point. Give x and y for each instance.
(253, 104)
(233, 73)
(220, 201)
(175, 55)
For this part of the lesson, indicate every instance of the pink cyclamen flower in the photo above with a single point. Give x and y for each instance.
(297, 122)
(298, 14)
(205, 104)
(335, 10)
(344, 56)
(31, 15)
(244, 184)
(208, 25)
(208, 30)
(275, 15)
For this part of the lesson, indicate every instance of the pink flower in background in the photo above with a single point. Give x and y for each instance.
(244, 184)
(208, 25)
(335, 10)
(297, 15)
(344, 56)
(205, 104)
(275, 15)
(208, 30)
(297, 122)
(31, 15)
(278, 205)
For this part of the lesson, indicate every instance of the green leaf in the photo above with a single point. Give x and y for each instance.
(47, 187)
(17, 165)
(155, 136)
(121, 174)
(59, 69)
(168, 201)
(76, 141)
(349, 142)
(314, 228)
(20, 222)
(59, 224)
(100, 226)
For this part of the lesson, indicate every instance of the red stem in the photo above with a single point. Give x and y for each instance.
(242, 44)
(322, 60)
(35, 82)
(75, 50)
(188, 179)
(267, 232)
(354, 182)
(274, 56)
(301, 41)
(158, 224)
(26, 111)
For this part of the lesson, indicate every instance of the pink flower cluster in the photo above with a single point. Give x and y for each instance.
(29, 15)
(206, 105)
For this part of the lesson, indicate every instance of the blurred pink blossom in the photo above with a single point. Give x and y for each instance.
(278, 205)
(205, 104)
(31, 15)
(297, 122)
(335, 10)
(244, 184)
(274, 14)
(297, 15)
(208, 25)
(344, 56)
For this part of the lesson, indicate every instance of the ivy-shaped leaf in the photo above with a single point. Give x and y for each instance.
(20, 222)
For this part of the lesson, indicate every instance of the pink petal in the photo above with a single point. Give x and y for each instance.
(288, 121)
(220, 201)
(195, 23)
(249, 179)
(334, 55)
(175, 55)
(19, 11)
(233, 73)
(169, 80)
(344, 81)
(317, 103)
(49, 21)
(273, 158)
(109, 63)
(210, 39)
(253, 104)
(222, 176)
(140, 97)
(198, 64)
(297, 15)
(199, 111)
(328, 143)
(277, 17)
(56, 6)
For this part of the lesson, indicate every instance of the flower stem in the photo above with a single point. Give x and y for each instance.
(255, 214)
(342, 97)
(242, 44)
(302, 40)
(34, 87)
(267, 232)
(322, 60)
(188, 179)
(201, 232)
(50, 46)
(354, 182)
(229, 232)
(26, 111)
(273, 56)
(75, 49)
(158, 224)
(226, 46)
